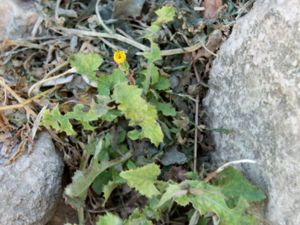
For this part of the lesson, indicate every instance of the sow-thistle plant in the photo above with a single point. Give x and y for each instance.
(104, 168)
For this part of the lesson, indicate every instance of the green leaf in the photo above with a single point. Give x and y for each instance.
(61, 123)
(162, 84)
(111, 115)
(235, 186)
(142, 179)
(151, 77)
(112, 185)
(101, 181)
(107, 82)
(207, 198)
(165, 14)
(154, 53)
(138, 217)
(86, 64)
(134, 134)
(83, 178)
(109, 219)
(152, 72)
(54, 119)
(166, 108)
(172, 191)
(152, 31)
(108, 189)
(96, 111)
(138, 111)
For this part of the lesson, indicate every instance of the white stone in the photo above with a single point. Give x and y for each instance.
(255, 92)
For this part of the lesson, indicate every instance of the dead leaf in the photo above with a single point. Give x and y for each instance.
(213, 43)
(4, 123)
(211, 8)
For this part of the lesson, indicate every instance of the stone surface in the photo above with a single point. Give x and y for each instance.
(17, 18)
(31, 187)
(255, 93)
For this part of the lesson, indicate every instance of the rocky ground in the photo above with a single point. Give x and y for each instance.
(212, 105)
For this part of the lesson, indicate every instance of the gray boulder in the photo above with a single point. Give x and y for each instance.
(255, 94)
(17, 18)
(31, 187)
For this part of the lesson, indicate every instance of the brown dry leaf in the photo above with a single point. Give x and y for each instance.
(4, 123)
(213, 43)
(6, 43)
(211, 8)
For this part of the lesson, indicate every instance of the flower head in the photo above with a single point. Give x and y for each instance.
(119, 57)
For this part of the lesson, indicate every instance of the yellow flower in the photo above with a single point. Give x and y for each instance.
(119, 57)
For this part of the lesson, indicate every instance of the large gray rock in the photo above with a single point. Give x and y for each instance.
(31, 187)
(17, 18)
(255, 93)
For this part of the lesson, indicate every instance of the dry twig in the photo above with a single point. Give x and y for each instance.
(131, 42)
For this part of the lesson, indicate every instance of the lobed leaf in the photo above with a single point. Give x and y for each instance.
(163, 84)
(165, 108)
(235, 186)
(84, 178)
(86, 64)
(109, 219)
(142, 179)
(165, 14)
(54, 119)
(138, 111)
(154, 53)
(61, 123)
(206, 199)
(107, 82)
(138, 217)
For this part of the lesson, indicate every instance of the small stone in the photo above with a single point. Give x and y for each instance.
(31, 187)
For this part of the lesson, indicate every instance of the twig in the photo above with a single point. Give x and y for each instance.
(56, 10)
(215, 220)
(101, 22)
(209, 51)
(195, 218)
(198, 8)
(37, 122)
(18, 153)
(220, 169)
(123, 33)
(178, 51)
(45, 79)
(28, 110)
(105, 35)
(25, 103)
(244, 8)
(37, 25)
(130, 41)
(196, 121)
(182, 95)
